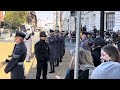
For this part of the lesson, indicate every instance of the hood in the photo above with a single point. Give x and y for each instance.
(86, 66)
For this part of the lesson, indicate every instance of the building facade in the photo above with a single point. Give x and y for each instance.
(91, 19)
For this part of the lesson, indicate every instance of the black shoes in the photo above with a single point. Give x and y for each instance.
(56, 65)
(60, 61)
(51, 71)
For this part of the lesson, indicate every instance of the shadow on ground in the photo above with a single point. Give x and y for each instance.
(31, 74)
(32, 57)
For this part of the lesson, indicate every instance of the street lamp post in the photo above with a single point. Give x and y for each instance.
(102, 24)
(77, 44)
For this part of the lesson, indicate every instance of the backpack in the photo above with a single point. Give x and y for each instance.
(81, 74)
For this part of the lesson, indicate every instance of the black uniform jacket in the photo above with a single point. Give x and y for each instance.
(42, 51)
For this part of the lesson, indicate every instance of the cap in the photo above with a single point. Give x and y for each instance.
(86, 33)
(43, 34)
(107, 70)
(51, 30)
(57, 31)
(20, 34)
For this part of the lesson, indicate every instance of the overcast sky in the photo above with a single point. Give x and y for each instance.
(43, 15)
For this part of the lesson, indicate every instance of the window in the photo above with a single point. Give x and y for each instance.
(110, 21)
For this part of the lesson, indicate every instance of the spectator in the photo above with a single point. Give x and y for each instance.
(98, 43)
(85, 63)
(110, 68)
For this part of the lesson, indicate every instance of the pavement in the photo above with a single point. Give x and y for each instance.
(6, 47)
(60, 71)
(5, 50)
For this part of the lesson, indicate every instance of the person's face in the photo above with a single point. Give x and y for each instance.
(17, 39)
(83, 36)
(104, 55)
(88, 35)
(43, 38)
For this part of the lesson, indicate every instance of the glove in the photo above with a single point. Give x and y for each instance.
(7, 60)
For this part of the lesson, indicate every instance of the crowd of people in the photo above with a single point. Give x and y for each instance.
(49, 49)
(98, 58)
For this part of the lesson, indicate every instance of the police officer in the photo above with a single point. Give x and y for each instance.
(57, 47)
(90, 40)
(84, 41)
(64, 35)
(61, 46)
(95, 31)
(42, 53)
(51, 43)
(15, 65)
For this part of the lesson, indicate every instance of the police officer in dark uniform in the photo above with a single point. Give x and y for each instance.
(51, 43)
(63, 34)
(57, 47)
(42, 53)
(15, 65)
(61, 46)
(90, 40)
(84, 41)
(95, 32)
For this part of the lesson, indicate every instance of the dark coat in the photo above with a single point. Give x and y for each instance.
(81, 74)
(57, 47)
(96, 56)
(42, 52)
(84, 44)
(19, 54)
(61, 45)
(51, 43)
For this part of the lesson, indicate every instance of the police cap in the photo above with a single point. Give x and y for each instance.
(57, 31)
(20, 34)
(43, 34)
(51, 31)
(86, 33)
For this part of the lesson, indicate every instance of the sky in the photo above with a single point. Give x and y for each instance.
(43, 15)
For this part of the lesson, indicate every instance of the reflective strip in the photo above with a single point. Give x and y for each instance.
(16, 56)
(20, 63)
